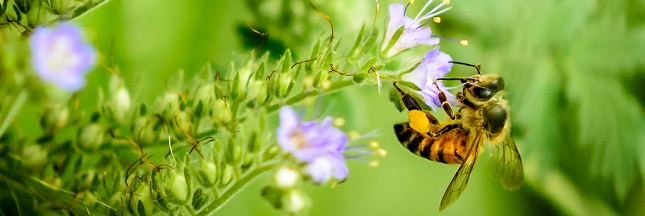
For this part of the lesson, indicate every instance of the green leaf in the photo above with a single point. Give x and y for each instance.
(538, 114)
(408, 85)
(395, 98)
(199, 199)
(370, 41)
(353, 51)
(17, 11)
(607, 58)
(608, 119)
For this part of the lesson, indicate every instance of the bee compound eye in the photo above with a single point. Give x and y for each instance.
(482, 93)
(495, 116)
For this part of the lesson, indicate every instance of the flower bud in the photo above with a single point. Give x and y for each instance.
(62, 6)
(227, 175)
(142, 202)
(285, 177)
(203, 103)
(184, 121)
(220, 111)
(120, 102)
(55, 117)
(144, 128)
(177, 188)
(286, 84)
(38, 15)
(295, 201)
(207, 175)
(233, 152)
(34, 156)
(271, 152)
(91, 137)
(258, 90)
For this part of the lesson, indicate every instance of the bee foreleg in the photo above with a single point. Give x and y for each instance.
(444, 103)
(462, 99)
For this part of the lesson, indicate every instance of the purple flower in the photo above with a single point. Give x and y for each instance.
(414, 33)
(61, 56)
(322, 168)
(319, 146)
(435, 65)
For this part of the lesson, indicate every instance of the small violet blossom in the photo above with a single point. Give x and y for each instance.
(435, 65)
(61, 56)
(319, 146)
(414, 33)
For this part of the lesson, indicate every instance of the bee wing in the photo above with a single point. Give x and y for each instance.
(507, 164)
(460, 180)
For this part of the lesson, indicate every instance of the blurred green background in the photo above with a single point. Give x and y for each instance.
(574, 71)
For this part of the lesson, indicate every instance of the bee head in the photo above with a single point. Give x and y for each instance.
(479, 87)
(484, 87)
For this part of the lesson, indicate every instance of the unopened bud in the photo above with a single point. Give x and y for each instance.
(296, 202)
(91, 137)
(62, 6)
(177, 188)
(207, 174)
(121, 103)
(286, 177)
(34, 156)
(221, 111)
(286, 83)
(38, 15)
(55, 117)
(142, 202)
(227, 175)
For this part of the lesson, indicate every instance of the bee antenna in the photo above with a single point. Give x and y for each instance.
(476, 66)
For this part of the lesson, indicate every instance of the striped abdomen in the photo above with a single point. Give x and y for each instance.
(449, 147)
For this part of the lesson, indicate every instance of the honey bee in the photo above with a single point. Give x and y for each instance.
(483, 117)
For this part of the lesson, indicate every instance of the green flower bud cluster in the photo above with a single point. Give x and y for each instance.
(38, 13)
(189, 151)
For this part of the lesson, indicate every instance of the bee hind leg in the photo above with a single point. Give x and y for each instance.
(443, 130)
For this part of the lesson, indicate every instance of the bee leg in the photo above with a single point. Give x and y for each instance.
(443, 130)
(444, 103)
(409, 102)
(412, 104)
(462, 99)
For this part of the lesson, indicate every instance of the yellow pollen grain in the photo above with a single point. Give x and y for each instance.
(373, 164)
(436, 19)
(381, 152)
(353, 135)
(464, 42)
(339, 122)
(374, 144)
(411, 1)
(446, 2)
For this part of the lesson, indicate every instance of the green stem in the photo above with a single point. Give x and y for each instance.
(241, 183)
(308, 93)
(13, 111)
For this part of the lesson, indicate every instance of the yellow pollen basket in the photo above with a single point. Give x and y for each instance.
(419, 121)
